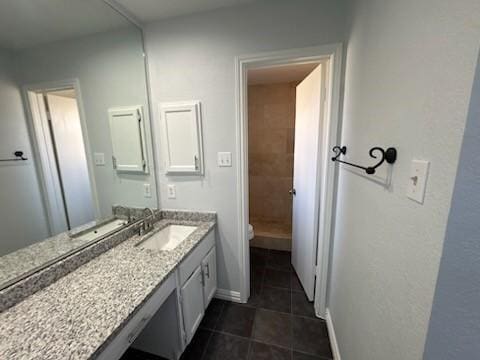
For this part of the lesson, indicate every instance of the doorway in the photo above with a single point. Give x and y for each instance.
(272, 97)
(311, 199)
(61, 150)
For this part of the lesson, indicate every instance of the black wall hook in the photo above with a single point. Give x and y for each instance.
(389, 155)
(19, 156)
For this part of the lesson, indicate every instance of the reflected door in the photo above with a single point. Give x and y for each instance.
(305, 178)
(71, 161)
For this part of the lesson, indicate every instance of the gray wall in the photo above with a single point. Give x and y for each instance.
(454, 329)
(192, 57)
(409, 73)
(111, 71)
(20, 200)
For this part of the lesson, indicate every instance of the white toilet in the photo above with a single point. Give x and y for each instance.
(251, 234)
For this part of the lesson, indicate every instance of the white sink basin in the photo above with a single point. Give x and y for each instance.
(101, 230)
(168, 238)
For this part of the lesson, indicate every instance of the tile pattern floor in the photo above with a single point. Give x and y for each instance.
(277, 323)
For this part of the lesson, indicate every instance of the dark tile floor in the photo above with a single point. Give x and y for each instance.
(277, 323)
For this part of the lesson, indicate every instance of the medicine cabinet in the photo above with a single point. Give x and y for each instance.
(127, 130)
(181, 130)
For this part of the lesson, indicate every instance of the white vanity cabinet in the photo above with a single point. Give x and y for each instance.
(209, 268)
(196, 284)
(198, 281)
(145, 317)
(193, 305)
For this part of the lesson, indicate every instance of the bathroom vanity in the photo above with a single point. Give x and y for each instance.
(130, 295)
(87, 268)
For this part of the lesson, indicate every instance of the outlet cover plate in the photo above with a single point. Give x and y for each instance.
(224, 159)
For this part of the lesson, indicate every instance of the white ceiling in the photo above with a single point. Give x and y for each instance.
(280, 74)
(25, 23)
(150, 10)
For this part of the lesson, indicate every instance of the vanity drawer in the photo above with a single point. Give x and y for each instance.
(134, 327)
(188, 266)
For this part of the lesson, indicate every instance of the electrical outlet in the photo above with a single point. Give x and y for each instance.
(224, 159)
(147, 190)
(99, 159)
(171, 191)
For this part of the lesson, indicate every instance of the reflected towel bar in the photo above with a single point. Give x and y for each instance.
(19, 157)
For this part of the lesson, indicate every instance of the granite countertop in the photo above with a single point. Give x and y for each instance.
(76, 316)
(22, 261)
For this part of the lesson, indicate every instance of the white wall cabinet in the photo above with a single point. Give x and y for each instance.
(193, 305)
(181, 130)
(127, 131)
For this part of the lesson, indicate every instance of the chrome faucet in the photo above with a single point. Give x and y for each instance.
(128, 211)
(147, 224)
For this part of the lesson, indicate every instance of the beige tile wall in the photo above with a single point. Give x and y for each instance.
(271, 121)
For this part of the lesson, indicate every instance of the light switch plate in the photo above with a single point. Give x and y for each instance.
(224, 159)
(147, 190)
(417, 180)
(171, 191)
(99, 159)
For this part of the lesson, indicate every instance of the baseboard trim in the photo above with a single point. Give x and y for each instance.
(228, 295)
(333, 337)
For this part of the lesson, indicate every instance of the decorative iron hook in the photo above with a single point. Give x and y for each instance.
(389, 155)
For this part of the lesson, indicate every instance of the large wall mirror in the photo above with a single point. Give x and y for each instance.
(75, 137)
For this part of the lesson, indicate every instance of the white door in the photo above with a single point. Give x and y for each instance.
(72, 161)
(308, 121)
(192, 303)
(53, 194)
(209, 265)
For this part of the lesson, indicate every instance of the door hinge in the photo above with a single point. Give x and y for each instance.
(139, 116)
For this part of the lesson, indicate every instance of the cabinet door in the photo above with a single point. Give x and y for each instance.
(192, 303)
(182, 137)
(128, 139)
(209, 266)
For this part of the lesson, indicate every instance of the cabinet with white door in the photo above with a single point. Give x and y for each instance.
(193, 305)
(209, 268)
(196, 284)
(181, 133)
(127, 130)
(198, 281)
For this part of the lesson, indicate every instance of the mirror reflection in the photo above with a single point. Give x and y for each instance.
(75, 137)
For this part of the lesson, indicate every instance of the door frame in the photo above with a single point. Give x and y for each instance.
(41, 156)
(332, 53)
